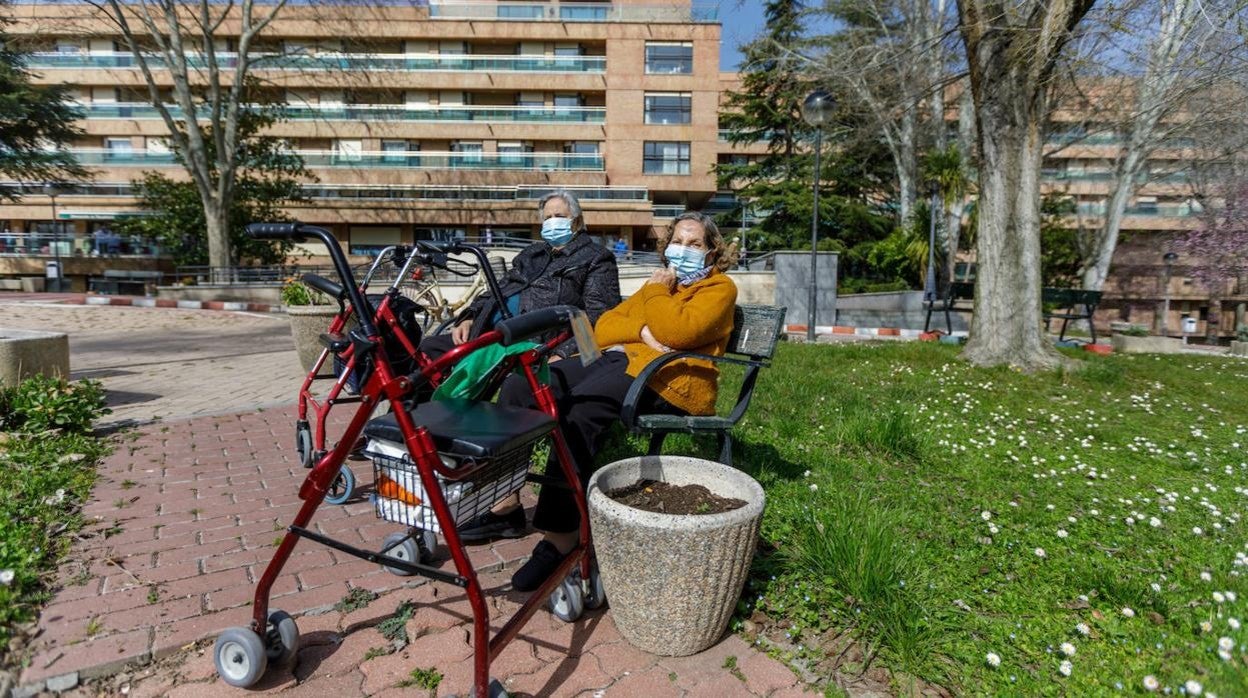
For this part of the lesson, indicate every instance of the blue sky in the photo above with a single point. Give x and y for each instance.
(742, 20)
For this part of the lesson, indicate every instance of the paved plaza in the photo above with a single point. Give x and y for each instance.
(188, 509)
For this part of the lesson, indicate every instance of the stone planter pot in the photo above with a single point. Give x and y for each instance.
(307, 324)
(1128, 344)
(673, 581)
(1239, 348)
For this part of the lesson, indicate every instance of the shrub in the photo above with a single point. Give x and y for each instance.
(41, 403)
(1134, 331)
(1241, 334)
(295, 292)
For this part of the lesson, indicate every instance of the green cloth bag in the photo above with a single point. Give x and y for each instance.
(471, 375)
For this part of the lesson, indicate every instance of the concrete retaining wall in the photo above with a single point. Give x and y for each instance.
(899, 309)
(25, 353)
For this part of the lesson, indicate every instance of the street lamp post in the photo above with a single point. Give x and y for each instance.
(929, 288)
(1168, 258)
(51, 192)
(817, 110)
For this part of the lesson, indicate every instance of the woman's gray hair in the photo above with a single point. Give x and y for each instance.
(568, 198)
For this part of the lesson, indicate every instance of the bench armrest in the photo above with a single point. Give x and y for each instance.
(628, 414)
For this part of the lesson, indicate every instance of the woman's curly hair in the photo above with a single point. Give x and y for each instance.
(719, 252)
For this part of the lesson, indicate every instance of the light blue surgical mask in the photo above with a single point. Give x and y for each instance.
(685, 260)
(557, 231)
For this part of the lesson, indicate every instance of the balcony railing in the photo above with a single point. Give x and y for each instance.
(698, 12)
(378, 112)
(1144, 210)
(550, 162)
(1065, 176)
(58, 244)
(324, 62)
(428, 192)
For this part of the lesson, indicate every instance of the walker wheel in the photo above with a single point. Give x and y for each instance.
(282, 639)
(597, 595)
(240, 657)
(342, 488)
(566, 601)
(427, 541)
(400, 546)
(303, 443)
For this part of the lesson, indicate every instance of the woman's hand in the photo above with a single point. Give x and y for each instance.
(461, 332)
(648, 337)
(663, 276)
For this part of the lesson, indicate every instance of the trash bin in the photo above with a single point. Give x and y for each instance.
(52, 272)
(1189, 325)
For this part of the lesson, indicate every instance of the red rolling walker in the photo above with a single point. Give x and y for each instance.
(464, 455)
(394, 317)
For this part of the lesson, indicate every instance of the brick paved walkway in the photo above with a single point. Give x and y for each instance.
(184, 519)
(168, 363)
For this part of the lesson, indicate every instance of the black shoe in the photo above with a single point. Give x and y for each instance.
(541, 564)
(490, 525)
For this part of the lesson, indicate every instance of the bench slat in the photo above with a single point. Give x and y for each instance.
(755, 330)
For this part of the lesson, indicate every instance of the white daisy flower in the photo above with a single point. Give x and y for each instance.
(1083, 629)
(1193, 687)
(985, 515)
(1206, 626)
(1206, 577)
(1218, 597)
(1198, 531)
(993, 659)
(1230, 596)
(1154, 522)
(1040, 552)
(6, 577)
(1233, 622)
(1065, 668)
(1061, 533)
(814, 487)
(1126, 611)
(1068, 649)
(1226, 643)
(1151, 683)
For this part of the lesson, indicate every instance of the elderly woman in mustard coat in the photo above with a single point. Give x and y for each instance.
(687, 305)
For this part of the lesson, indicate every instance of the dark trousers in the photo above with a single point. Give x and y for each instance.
(590, 400)
(437, 345)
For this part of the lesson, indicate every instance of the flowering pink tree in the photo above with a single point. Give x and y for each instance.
(1217, 252)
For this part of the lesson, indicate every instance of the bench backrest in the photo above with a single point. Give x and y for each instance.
(132, 274)
(1070, 296)
(755, 330)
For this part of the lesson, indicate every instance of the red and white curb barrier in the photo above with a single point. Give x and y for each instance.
(856, 331)
(141, 302)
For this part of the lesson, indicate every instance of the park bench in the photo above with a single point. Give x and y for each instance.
(1063, 304)
(126, 282)
(755, 331)
(1068, 304)
(959, 298)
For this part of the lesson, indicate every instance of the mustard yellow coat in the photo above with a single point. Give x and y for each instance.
(694, 318)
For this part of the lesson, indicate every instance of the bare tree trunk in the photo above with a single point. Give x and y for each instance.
(1011, 51)
(906, 161)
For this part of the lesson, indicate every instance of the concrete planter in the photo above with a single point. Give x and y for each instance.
(25, 353)
(1239, 348)
(307, 324)
(1146, 345)
(673, 581)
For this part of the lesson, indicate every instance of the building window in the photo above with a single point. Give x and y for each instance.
(515, 154)
(568, 99)
(583, 14)
(467, 154)
(666, 158)
(520, 11)
(669, 108)
(669, 58)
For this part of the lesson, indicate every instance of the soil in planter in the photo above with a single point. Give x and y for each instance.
(666, 498)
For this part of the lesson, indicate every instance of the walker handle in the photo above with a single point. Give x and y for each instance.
(276, 231)
(533, 323)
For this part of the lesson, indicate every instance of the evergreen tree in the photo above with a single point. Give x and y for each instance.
(36, 122)
(777, 186)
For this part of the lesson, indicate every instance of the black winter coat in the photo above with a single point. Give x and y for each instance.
(583, 274)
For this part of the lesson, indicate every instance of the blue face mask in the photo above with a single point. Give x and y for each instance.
(557, 231)
(685, 260)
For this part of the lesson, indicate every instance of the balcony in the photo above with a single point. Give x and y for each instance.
(1051, 175)
(544, 162)
(429, 192)
(1144, 210)
(380, 112)
(343, 62)
(698, 12)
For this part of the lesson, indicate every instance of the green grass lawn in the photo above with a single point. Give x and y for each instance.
(976, 529)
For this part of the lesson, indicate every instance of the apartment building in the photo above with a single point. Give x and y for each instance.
(423, 118)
